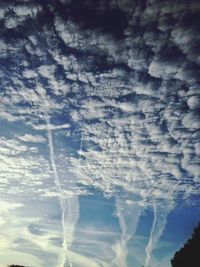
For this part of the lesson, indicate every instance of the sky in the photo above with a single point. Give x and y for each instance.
(99, 131)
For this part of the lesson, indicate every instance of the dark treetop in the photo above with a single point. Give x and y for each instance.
(189, 255)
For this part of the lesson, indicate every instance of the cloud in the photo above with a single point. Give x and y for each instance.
(191, 120)
(32, 138)
(128, 225)
(50, 127)
(133, 94)
(6, 206)
(17, 15)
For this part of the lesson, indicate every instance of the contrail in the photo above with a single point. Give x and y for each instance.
(128, 216)
(122, 245)
(63, 259)
(149, 247)
(160, 213)
(80, 149)
(159, 223)
(127, 224)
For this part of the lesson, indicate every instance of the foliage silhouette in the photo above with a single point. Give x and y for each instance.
(188, 255)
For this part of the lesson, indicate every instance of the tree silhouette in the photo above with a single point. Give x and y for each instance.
(189, 254)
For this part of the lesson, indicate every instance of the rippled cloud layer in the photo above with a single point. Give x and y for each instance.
(98, 98)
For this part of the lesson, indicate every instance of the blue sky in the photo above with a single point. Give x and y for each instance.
(100, 132)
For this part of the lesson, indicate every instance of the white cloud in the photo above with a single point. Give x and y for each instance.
(20, 14)
(134, 100)
(5, 207)
(32, 138)
(191, 120)
(194, 101)
(51, 127)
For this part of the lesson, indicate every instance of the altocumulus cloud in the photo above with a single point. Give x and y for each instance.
(126, 74)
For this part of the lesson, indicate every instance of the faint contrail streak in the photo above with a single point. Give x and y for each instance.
(149, 246)
(128, 216)
(160, 214)
(122, 246)
(80, 149)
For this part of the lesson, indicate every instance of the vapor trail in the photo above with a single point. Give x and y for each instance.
(128, 216)
(80, 149)
(121, 247)
(63, 260)
(160, 214)
(149, 247)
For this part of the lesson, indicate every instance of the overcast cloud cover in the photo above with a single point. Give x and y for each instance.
(98, 98)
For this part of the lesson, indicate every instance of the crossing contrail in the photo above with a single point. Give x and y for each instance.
(63, 257)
